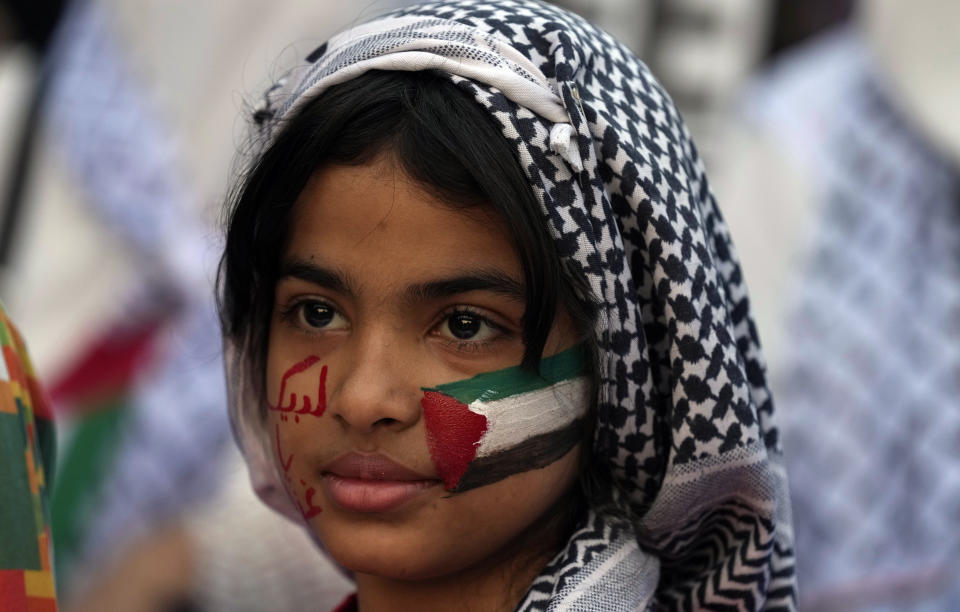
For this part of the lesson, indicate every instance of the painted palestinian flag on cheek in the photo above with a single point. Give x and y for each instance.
(501, 423)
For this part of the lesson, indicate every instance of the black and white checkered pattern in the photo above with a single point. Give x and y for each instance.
(685, 417)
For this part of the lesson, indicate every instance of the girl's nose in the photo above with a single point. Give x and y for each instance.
(377, 388)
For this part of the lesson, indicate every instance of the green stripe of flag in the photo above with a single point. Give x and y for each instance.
(82, 475)
(499, 384)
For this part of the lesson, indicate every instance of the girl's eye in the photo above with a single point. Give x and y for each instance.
(468, 327)
(318, 315)
(464, 326)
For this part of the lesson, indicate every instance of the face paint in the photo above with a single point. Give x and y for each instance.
(496, 424)
(453, 435)
(311, 509)
(307, 407)
(308, 509)
(285, 463)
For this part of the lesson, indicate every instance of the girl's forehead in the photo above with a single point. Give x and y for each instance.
(376, 224)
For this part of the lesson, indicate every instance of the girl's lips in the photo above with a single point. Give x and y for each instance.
(372, 483)
(360, 495)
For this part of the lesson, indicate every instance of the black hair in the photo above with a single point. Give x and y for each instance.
(443, 139)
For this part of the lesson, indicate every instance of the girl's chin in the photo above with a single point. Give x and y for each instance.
(393, 551)
(390, 564)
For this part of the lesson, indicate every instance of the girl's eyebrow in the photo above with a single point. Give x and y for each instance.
(318, 275)
(473, 280)
(494, 281)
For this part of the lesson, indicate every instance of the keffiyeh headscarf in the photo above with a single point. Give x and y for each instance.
(684, 414)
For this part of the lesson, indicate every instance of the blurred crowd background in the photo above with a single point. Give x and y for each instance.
(831, 136)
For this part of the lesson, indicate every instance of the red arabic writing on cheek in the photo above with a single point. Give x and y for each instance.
(453, 435)
(307, 407)
(311, 509)
(284, 463)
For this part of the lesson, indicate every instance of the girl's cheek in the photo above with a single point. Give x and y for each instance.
(300, 492)
(288, 404)
(289, 409)
(453, 435)
(497, 424)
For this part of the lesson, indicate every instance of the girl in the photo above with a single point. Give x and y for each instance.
(487, 337)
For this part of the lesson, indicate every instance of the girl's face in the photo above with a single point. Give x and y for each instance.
(384, 291)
